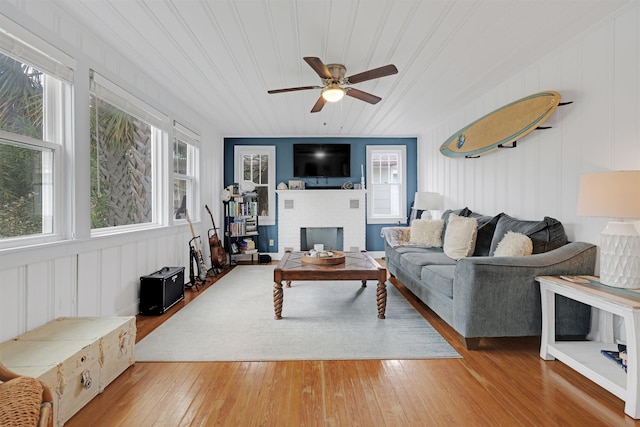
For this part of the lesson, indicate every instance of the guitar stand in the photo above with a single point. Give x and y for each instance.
(194, 279)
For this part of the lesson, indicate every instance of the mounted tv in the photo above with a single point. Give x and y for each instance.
(325, 160)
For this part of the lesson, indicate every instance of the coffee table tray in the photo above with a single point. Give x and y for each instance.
(337, 258)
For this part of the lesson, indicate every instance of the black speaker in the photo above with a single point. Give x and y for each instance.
(264, 259)
(161, 290)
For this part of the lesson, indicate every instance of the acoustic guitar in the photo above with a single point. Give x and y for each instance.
(202, 267)
(218, 255)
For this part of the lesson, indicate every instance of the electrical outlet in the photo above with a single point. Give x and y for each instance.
(271, 242)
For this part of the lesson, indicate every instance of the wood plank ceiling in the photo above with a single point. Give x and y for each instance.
(223, 56)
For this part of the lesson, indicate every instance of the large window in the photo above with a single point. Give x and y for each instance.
(35, 99)
(126, 140)
(386, 184)
(257, 164)
(186, 148)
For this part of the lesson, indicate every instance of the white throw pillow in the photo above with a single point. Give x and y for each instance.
(460, 236)
(427, 232)
(514, 244)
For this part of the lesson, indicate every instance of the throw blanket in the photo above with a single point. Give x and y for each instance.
(399, 236)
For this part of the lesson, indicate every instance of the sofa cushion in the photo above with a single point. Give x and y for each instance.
(427, 232)
(412, 262)
(439, 277)
(460, 237)
(546, 235)
(396, 254)
(486, 229)
(514, 244)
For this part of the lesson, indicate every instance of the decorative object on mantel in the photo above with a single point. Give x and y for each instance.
(347, 185)
(615, 195)
(502, 127)
(282, 186)
(423, 203)
(296, 185)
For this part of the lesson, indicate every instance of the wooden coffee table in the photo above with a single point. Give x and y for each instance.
(357, 266)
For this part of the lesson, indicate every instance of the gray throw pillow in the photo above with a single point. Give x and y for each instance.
(546, 235)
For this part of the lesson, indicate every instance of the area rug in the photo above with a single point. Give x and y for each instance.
(233, 320)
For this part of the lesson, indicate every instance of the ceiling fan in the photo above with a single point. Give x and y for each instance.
(335, 85)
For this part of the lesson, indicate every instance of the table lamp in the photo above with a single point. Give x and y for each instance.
(615, 195)
(423, 203)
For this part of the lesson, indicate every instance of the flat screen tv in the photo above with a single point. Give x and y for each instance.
(326, 160)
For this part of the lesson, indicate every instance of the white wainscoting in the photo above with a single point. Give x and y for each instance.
(97, 282)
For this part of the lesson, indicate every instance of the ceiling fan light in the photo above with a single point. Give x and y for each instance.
(332, 93)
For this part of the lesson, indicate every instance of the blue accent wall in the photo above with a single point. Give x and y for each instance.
(284, 172)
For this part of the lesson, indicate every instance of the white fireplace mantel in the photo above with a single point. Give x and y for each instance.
(321, 208)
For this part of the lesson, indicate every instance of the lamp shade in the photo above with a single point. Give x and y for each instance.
(427, 201)
(615, 195)
(610, 194)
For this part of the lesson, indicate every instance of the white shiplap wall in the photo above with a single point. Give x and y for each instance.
(97, 276)
(600, 72)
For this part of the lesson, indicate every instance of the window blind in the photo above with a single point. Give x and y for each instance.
(108, 91)
(185, 134)
(22, 45)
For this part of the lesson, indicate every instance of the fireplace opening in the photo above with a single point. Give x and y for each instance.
(331, 237)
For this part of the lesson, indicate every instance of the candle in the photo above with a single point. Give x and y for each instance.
(361, 170)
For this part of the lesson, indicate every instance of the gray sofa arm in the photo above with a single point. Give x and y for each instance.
(498, 296)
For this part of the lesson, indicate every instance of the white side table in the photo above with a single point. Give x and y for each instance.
(585, 356)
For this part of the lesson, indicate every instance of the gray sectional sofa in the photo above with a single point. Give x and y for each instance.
(494, 296)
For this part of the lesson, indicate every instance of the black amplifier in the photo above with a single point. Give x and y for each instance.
(161, 290)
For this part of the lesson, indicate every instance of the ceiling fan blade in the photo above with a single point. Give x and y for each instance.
(318, 66)
(376, 73)
(363, 96)
(291, 89)
(318, 106)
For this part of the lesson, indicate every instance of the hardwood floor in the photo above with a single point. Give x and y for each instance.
(504, 383)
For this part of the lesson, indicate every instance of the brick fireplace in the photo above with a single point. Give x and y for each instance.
(337, 209)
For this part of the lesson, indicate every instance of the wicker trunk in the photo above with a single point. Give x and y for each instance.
(76, 357)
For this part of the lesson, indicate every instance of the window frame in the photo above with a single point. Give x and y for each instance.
(57, 70)
(192, 141)
(107, 91)
(401, 151)
(270, 151)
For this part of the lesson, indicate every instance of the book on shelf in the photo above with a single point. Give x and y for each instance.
(238, 208)
(247, 244)
(251, 224)
(250, 251)
(238, 228)
(618, 357)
